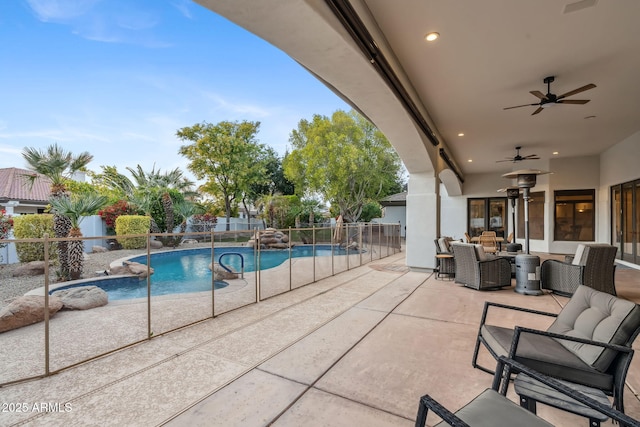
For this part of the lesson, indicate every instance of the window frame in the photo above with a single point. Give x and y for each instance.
(589, 197)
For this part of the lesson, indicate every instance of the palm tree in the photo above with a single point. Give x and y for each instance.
(147, 188)
(58, 165)
(74, 209)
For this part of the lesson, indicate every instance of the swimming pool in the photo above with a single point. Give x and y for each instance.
(187, 271)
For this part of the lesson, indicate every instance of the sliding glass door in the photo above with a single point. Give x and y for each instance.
(625, 220)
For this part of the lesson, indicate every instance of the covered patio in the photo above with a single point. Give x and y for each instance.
(358, 348)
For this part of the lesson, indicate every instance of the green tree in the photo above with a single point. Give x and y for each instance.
(154, 193)
(345, 159)
(227, 156)
(371, 210)
(59, 166)
(275, 182)
(75, 208)
(278, 211)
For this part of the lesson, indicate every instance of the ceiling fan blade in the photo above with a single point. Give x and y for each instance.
(518, 106)
(539, 94)
(506, 160)
(574, 101)
(531, 157)
(580, 89)
(537, 111)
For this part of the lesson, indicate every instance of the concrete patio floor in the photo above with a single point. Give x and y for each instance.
(358, 348)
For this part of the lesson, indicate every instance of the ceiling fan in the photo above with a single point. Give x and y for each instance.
(551, 99)
(518, 157)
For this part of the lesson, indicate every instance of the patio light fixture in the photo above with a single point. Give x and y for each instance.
(526, 179)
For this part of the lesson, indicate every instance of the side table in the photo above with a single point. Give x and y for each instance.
(445, 266)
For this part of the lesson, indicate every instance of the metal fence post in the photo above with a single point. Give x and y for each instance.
(290, 262)
(149, 331)
(313, 248)
(370, 242)
(347, 246)
(333, 233)
(213, 274)
(46, 304)
(256, 263)
(360, 241)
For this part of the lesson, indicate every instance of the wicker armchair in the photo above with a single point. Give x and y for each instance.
(593, 266)
(478, 270)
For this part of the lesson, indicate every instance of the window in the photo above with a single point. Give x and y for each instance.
(487, 214)
(575, 215)
(536, 215)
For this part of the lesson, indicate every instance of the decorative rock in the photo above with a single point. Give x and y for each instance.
(82, 297)
(279, 246)
(131, 268)
(156, 244)
(220, 273)
(270, 239)
(33, 268)
(99, 249)
(26, 310)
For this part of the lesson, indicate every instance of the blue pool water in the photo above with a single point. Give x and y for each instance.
(186, 271)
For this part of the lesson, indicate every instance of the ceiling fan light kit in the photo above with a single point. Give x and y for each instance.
(551, 99)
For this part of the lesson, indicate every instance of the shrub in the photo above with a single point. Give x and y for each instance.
(5, 224)
(111, 213)
(132, 224)
(34, 227)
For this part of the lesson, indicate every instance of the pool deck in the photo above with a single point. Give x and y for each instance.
(358, 348)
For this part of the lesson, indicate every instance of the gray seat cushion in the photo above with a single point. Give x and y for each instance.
(546, 355)
(596, 316)
(491, 409)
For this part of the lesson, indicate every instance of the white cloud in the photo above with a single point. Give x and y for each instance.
(184, 6)
(239, 108)
(60, 10)
(112, 21)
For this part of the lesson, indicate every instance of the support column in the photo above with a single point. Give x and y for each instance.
(422, 220)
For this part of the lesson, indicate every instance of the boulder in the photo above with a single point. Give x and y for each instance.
(156, 244)
(82, 297)
(26, 310)
(220, 273)
(270, 239)
(131, 268)
(279, 246)
(33, 268)
(99, 249)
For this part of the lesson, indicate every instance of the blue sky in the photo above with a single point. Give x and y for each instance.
(117, 78)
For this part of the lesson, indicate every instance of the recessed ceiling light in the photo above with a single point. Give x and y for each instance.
(461, 134)
(470, 161)
(431, 36)
(555, 153)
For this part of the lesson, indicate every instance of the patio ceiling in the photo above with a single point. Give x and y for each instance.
(489, 56)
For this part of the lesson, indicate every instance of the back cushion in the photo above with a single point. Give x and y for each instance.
(577, 259)
(480, 253)
(442, 244)
(596, 316)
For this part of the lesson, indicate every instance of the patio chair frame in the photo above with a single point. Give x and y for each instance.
(620, 366)
(505, 367)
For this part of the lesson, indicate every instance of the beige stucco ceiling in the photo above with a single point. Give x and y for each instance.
(491, 53)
